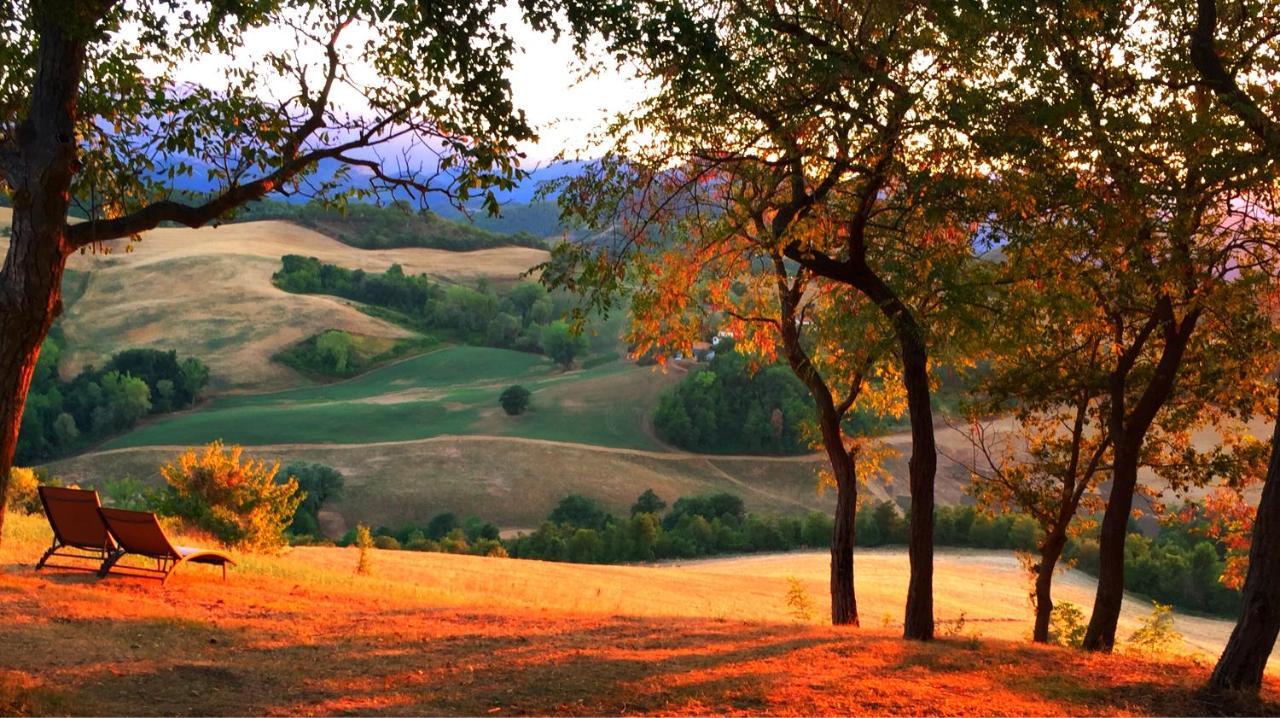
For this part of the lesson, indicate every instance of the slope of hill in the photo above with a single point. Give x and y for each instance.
(439, 634)
(208, 293)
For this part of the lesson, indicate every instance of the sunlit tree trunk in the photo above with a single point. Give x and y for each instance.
(40, 178)
(844, 604)
(1254, 636)
(1050, 552)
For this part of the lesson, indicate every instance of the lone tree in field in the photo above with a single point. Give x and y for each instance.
(843, 103)
(394, 97)
(1236, 53)
(514, 400)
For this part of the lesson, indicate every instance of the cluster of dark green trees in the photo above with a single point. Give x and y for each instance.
(1178, 566)
(63, 416)
(725, 407)
(335, 353)
(523, 317)
(444, 533)
(394, 225)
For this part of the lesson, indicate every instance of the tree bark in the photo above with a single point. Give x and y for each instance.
(918, 623)
(1129, 432)
(1050, 552)
(844, 604)
(1254, 636)
(31, 278)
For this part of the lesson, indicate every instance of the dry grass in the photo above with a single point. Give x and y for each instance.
(460, 635)
(208, 293)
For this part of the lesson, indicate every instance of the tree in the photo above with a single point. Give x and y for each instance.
(1241, 71)
(1149, 194)
(239, 501)
(580, 512)
(95, 116)
(514, 400)
(834, 116)
(320, 483)
(562, 342)
(648, 503)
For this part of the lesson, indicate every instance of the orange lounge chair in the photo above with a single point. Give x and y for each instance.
(140, 533)
(78, 529)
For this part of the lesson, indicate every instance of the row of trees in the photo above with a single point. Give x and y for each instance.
(398, 224)
(525, 317)
(1052, 188)
(63, 416)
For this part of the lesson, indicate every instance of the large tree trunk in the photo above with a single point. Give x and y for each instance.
(1251, 642)
(1101, 634)
(918, 623)
(39, 173)
(844, 604)
(1050, 552)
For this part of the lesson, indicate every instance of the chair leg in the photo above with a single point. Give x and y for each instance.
(47, 554)
(112, 558)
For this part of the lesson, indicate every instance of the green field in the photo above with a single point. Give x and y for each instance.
(449, 391)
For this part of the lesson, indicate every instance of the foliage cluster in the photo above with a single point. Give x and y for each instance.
(727, 406)
(238, 501)
(522, 317)
(444, 533)
(335, 353)
(369, 226)
(64, 416)
(514, 400)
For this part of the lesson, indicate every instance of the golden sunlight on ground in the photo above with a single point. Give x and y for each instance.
(430, 633)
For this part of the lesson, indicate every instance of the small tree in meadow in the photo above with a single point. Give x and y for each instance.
(364, 542)
(22, 490)
(236, 500)
(1156, 635)
(562, 344)
(514, 400)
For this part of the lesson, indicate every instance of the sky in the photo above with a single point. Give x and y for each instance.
(564, 107)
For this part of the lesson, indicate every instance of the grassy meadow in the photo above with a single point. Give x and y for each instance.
(449, 391)
(444, 634)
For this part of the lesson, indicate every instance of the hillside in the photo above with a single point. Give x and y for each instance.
(208, 293)
(427, 435)
(432, 633)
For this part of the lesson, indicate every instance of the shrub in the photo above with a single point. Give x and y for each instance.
(237, 501)
(126, 492)
(387, 543)
(1156, 634)
(23, 496)
(514, 400)
(1067, 625)
(798, 600)
(364, 542)
(319, 483)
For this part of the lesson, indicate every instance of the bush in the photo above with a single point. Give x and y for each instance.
(319, 483)
(364, 542)
(126, 492)
(1067, 625)
(1156, 635)
(562, 344)
(23, 495)
(237, 501)
(514, 400)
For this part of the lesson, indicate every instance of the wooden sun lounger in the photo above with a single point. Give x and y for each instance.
(139, 533)
(78, 529)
